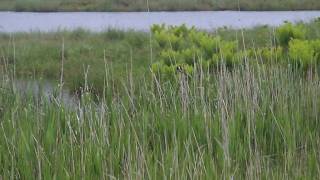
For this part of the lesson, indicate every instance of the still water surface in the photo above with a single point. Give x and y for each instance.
(99, 21)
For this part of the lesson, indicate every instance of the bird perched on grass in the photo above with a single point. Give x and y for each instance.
(179, 69)
(1, 112)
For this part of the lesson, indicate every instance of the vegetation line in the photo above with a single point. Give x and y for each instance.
(157, 5)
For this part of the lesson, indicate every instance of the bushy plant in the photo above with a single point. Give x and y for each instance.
(181, 31)
(268, 55)
(288, 31)
(158, 28)
(190, 55)
(206, 42)
(169, 72)
(301, 52)
(316, 46)
(171, 37)
(169, 57)
(164, 70)
(187, 47)
(166, 40)
(227, 51)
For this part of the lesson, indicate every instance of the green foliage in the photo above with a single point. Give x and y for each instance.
(243, 121)
(268, 55)
(229, 116)
(316, 47)
(189, 47)
(39, 54)
(163, 69)
(182, 45)
(190, 55)
(302, 52)
(227, 51)
(209, 44)
(166, 40)
(288, 31)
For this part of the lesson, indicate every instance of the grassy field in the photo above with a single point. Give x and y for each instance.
(156, 5)
(248, 123)
(39, 54)
(251, 120)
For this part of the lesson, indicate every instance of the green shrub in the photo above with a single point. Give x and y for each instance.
(158, 28)
(316, 46)
(170, 57)
(269, 55)
(170, 37)
(163, 70)
(170, 72)
(190, 55)
(181, 31)
(227, 52)
(210, 45)
(289, 31)
(187, 47)
(301, 52)
(166, 40)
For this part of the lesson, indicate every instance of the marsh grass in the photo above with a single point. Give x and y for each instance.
(156, 5)
(38, 54)
(252, 122)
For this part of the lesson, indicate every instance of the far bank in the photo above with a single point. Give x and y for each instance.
(156, 5)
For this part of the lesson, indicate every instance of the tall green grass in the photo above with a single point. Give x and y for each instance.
(156, 5)
(253, 122)
(39, 54)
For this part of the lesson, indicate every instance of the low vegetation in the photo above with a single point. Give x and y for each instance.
(156, 5)
(188, 48)
(39, 55)
(184, 104)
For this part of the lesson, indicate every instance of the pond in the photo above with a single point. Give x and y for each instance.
(100, 21)
(45, 89)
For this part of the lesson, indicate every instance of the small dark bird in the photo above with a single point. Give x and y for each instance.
(180, 69)
(1, 112)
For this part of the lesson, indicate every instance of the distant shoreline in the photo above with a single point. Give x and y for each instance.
(159, 11)
(157, 5)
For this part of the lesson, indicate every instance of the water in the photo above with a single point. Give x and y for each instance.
(99, 21)
(45, 89)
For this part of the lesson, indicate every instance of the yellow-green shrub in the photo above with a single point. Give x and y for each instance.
(288, 31)
(227, 52)
(187, 47)
(301, 53)
(316, 46)
(269, 55)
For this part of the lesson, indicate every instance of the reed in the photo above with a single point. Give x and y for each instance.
(252, 121)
